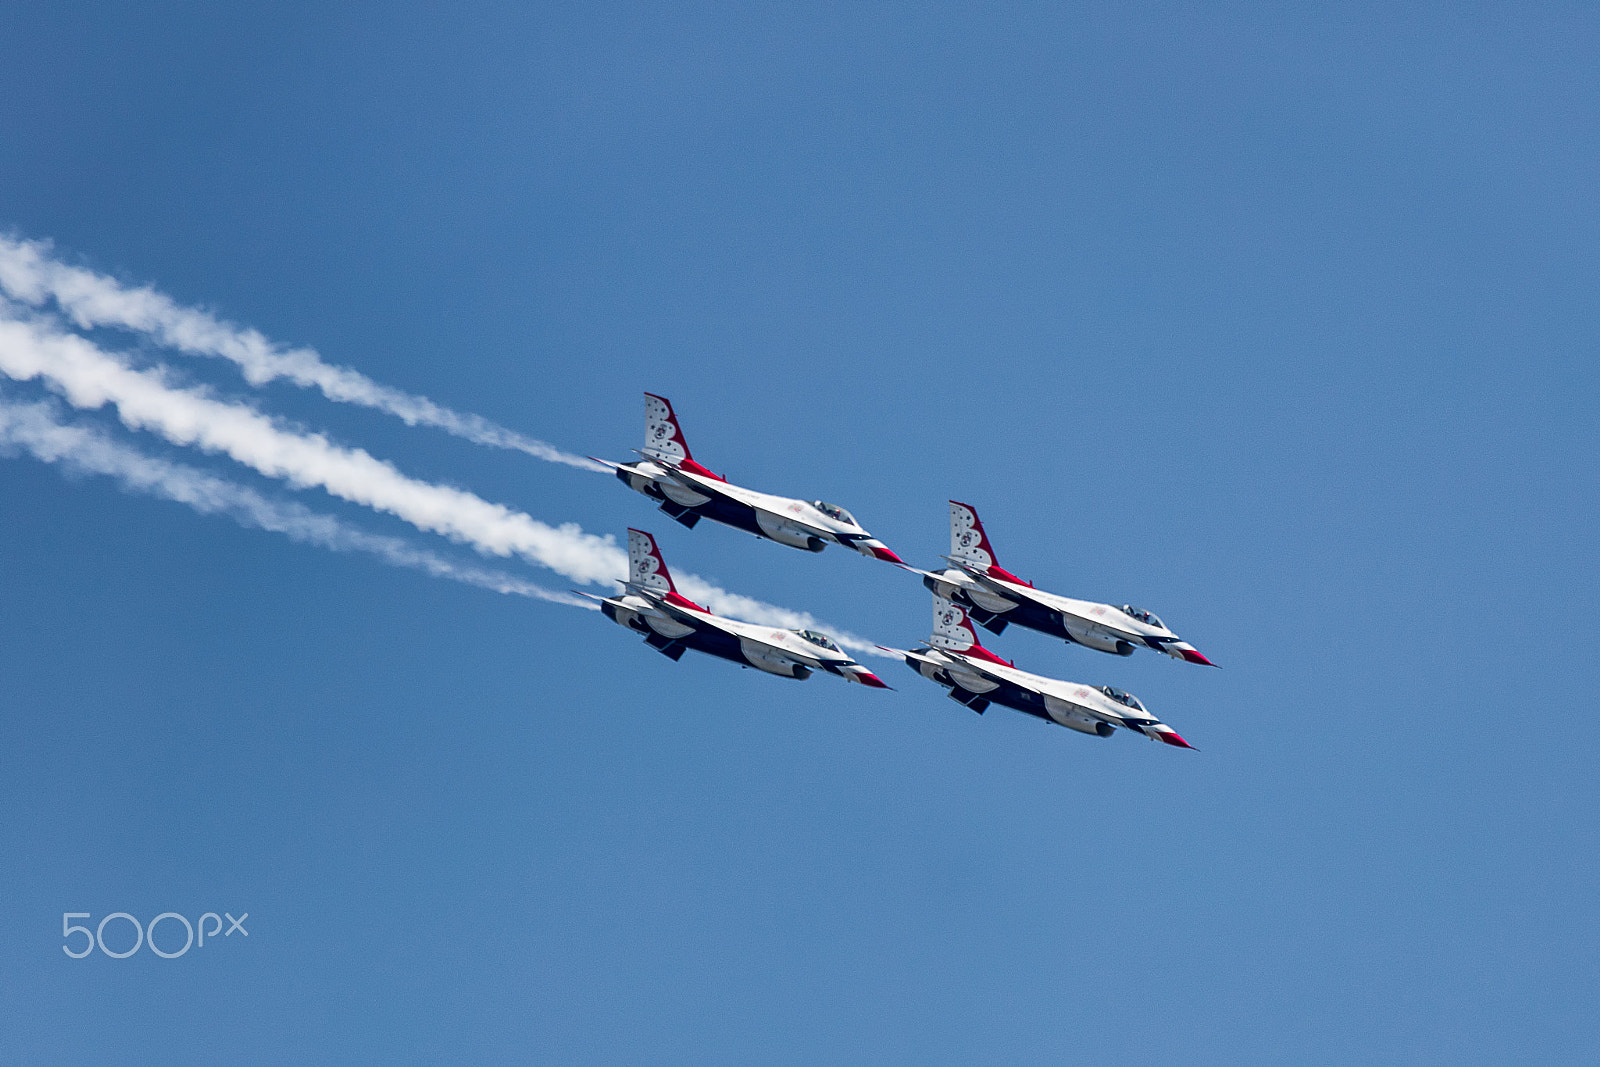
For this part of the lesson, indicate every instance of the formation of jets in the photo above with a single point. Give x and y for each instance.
(976, 677)
(972, 589)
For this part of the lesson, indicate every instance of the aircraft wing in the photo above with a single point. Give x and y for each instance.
(994, 585)
(1049, 687)
(743, 631)
(778, 507)
(995, 672)
(925, 574)
(1077, 611)
(658, 607)
(920, 657)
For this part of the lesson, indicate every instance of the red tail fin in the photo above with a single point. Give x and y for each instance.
(663, 437)
(953, 630)
(967, 539)
(970, 544)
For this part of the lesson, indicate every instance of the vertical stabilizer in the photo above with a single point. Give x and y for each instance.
(663, 437)
(951, 627)
(967, 540)
(646, 568)
(952, 630)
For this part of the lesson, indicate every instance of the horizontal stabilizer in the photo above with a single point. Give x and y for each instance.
(680, 467)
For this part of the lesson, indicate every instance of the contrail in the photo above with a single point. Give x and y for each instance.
(38, 429)
(29, 274)
(88, 377)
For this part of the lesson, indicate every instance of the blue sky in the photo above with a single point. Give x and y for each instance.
(1279, 324)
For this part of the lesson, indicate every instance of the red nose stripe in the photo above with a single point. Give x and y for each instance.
(1173, 739)
(885, 554)
(868, 678)
(1194, 657)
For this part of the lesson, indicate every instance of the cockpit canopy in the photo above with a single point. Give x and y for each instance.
(835, 512)
(818, 639)
(1123, 697)
(1143, 616)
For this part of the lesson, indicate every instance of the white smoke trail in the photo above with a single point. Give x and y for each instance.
(29, 274)
(38, 429)
(88, 377)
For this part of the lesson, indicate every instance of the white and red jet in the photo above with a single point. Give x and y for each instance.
(671, 623)
(977, 677)
(994, 597)
(689, 492)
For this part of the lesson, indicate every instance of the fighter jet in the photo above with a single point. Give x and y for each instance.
(977, 677)
(671, 623)
(689, 492)
(994, 597)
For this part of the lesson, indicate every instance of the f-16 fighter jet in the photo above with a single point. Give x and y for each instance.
(993, 597)
(671, 623)
(689, 492)
(977, 677)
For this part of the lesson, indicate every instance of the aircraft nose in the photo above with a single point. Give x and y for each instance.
(867, 678)
(1170, 736)
(1192, 654)
(878, 550)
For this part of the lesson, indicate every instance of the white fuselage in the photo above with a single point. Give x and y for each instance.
(689, 496)
(1100, 626)
(975, 680)
(776, 651)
